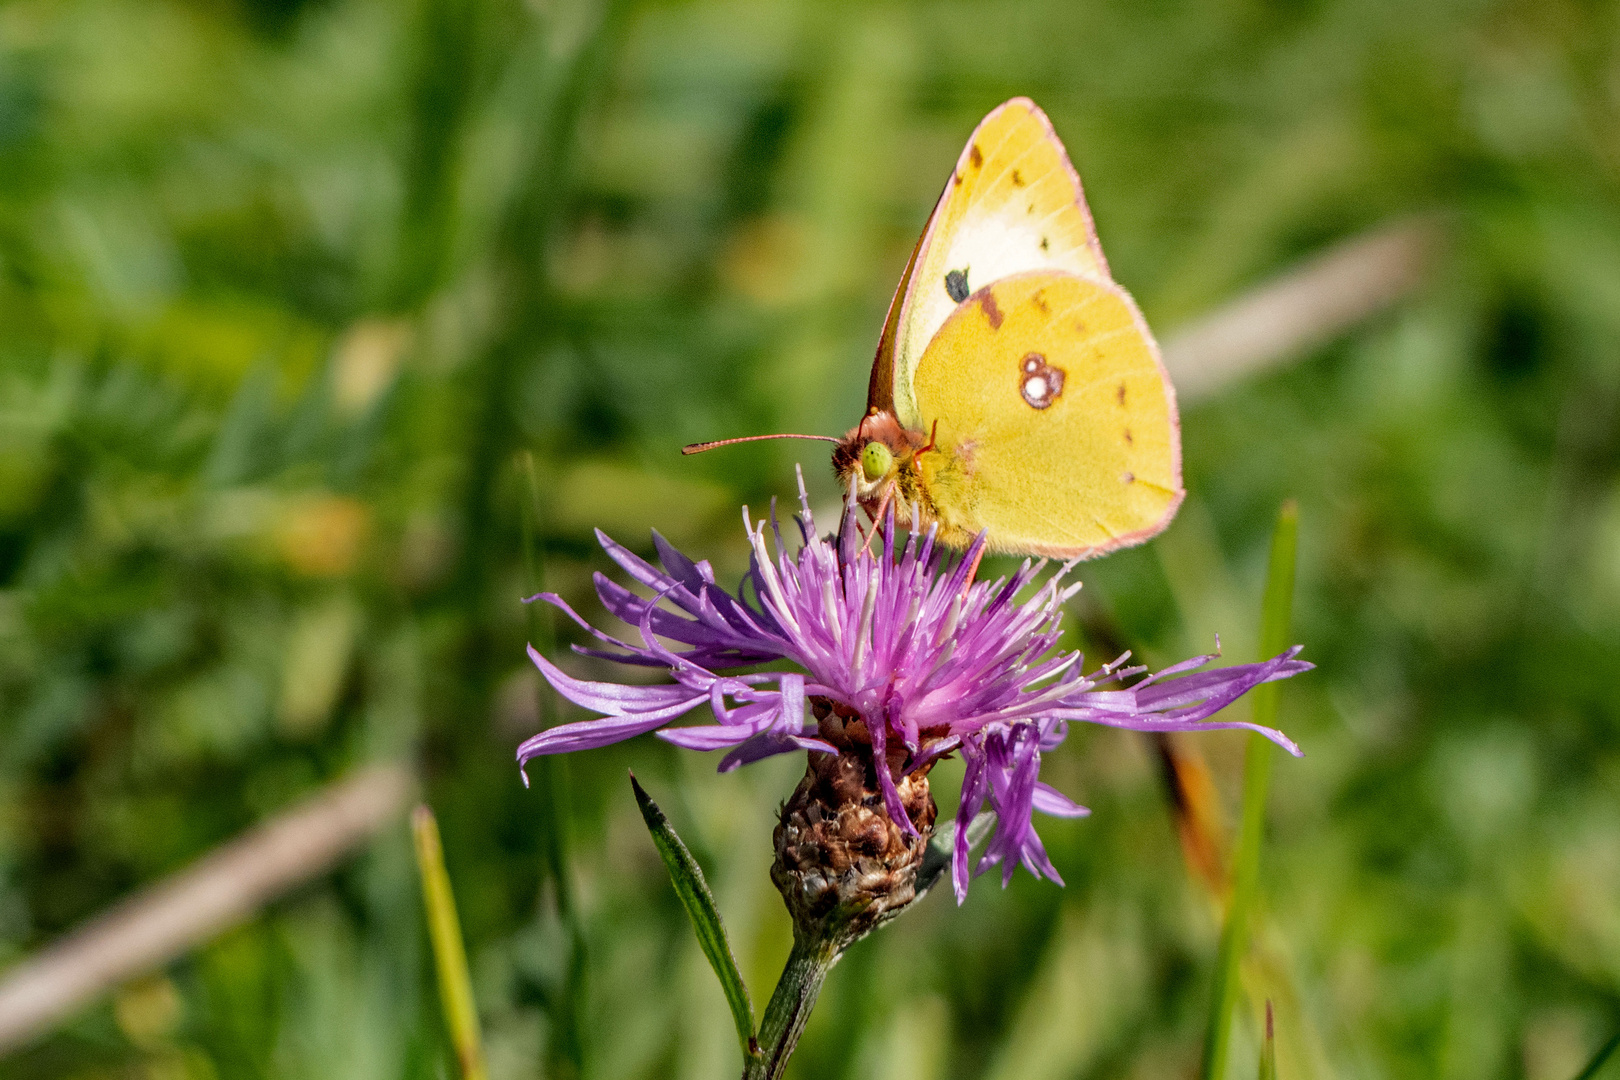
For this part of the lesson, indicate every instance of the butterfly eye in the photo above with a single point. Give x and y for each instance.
(876, 461)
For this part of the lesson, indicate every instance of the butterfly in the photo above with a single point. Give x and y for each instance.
(1017, 391)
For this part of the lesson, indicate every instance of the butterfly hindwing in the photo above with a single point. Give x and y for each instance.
(1057, 428)
(1013, 205)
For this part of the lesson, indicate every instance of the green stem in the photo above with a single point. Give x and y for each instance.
(790, 1006)
(1276, 611)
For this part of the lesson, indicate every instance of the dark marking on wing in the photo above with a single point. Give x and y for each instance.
(956, 179)
(1128, 440)
(956, 286)
(1039, 300)
(1120, 394)
(1045, 243)
(1129, 478)
(1038, 381)
(974, 157)
(1017, 178)
(992, 314)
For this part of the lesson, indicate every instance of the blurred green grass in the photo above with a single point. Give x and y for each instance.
(288, 287)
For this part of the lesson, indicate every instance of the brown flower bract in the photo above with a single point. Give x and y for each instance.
(843, 867)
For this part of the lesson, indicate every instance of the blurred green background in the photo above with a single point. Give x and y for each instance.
(328, 326)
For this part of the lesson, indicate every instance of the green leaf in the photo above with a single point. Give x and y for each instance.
(1268, 1051)
(687, 877)
(449, 955)
(550, 777)
(1601, 1059)
(1276, 609)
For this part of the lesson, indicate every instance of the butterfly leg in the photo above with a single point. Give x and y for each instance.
(973, 572)
(933, 440)
(888, 494)
(877, 516)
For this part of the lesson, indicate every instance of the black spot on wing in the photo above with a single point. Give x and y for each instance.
(956, 285)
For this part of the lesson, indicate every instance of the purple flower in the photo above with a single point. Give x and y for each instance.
(930, 661)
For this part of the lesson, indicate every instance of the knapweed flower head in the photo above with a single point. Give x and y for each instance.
(930, 663)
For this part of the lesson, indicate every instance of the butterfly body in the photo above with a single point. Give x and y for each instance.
(1017, 391)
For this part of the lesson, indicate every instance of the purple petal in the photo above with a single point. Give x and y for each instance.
(556, 601)
(613, 698)
(1049, 800)
(971, 802)
(1204, 684)
(767, 744)
(1151, 723)
(891, 794)
(1034, 858)
(705, 737)
(679, 566)
(590, 734)
(790, 719)
(633, 564)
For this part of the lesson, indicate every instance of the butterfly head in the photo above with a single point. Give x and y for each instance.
(878, 456)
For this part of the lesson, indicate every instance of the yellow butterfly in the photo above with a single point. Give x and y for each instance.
(1016, 390)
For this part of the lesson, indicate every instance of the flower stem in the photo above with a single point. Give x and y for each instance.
(790, 1006)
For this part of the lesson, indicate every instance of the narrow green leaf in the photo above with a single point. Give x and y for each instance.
(1268, 1051)
(1276, 610)
(542, 633)
(550, 778)
(687, 877)
(449, 955)
(1601, 1059)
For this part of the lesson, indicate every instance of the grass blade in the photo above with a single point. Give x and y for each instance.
(550, 776)
(1275, 617)
(687, 877)
(1276, 613)
(1268, 1052)
(1601, 1059)
(449, 955)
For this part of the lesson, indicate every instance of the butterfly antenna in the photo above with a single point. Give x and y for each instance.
(699, 447)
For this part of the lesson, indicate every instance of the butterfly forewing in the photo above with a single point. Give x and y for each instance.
(1057, 428)
(1012, 205)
